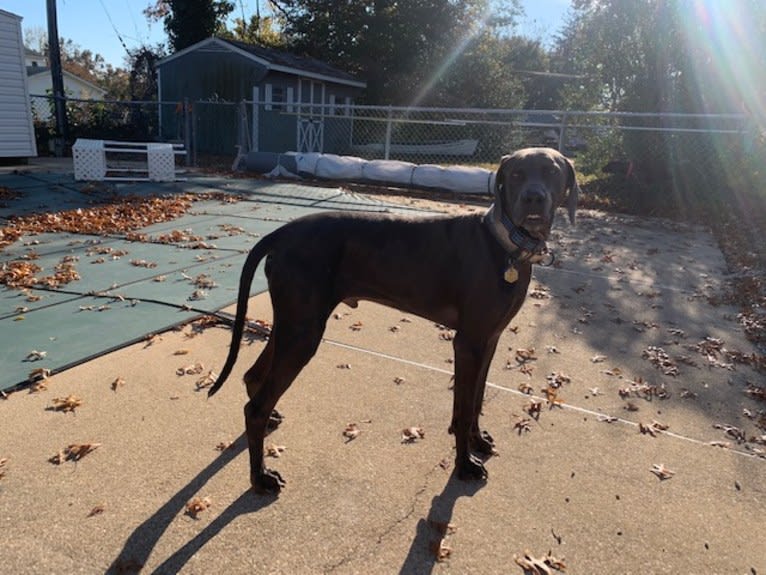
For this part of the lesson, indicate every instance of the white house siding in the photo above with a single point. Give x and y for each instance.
(41, 84)
(17, 137)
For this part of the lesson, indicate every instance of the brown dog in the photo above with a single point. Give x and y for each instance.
(469, 273)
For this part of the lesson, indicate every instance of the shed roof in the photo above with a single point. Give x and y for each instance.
(273, 59)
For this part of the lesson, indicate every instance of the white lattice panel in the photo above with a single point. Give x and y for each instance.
(89, 159)
(162, 162)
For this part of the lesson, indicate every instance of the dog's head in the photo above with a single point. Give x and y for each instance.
(530, 185)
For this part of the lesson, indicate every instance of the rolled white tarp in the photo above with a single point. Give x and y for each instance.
(462, 179)
(389, 172)
(332, 167)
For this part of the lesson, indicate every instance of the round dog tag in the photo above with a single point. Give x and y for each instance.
(511, 275)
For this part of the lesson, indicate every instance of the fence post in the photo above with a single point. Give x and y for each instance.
(254, 135)
(187, 132)
(387, 144)
(561, 132)
(193, 123)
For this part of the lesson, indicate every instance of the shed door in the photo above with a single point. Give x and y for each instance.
(310, 116)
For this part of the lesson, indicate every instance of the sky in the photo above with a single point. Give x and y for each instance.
(98, 25)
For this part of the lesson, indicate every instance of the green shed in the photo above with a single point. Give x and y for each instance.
(295, 103)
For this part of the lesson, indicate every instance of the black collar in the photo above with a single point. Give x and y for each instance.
(519, 243)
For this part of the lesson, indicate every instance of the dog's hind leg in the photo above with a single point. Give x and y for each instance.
(256, 375)
(290, 348)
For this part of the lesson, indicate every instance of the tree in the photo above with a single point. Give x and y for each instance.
(262, 31)
(190, 21)
(403, 50)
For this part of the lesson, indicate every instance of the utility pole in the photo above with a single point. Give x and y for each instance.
(54, 61)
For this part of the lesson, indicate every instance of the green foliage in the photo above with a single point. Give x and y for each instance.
(190, 21)
(421, 52)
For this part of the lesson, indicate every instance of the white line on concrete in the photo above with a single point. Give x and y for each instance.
(526, 395)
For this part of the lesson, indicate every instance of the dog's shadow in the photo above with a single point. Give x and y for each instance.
(422, 556)
(140, 544)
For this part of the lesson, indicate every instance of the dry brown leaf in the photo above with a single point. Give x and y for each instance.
(525, 354)
(3, 468)
(181, 352)
(35, 355)
(539, 565)
(66, 404)
(74, 452)
(206, 380)
(343, 366)
(197, 505)
(191, 369)
(661, 471)
(97, 510)
(525, 388)
(522, 425)
(440, 550)
(274, 450)
(119, 382)
(652, 428)
(399, 380)
(39, 377)
(356, 326)
(534, 408)
(412, 434)
(351, 432)
(224, 445)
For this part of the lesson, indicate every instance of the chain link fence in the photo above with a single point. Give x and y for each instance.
(688, 155)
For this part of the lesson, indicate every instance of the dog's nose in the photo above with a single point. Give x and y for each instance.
(534, 198)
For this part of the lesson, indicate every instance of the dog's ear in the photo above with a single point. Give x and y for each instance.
(573, 187)
(499, 179)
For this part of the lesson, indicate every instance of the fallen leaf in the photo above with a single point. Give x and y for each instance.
(35, 355)
(66, 404)
(192, 369)
(399, 380)
(3, 468)
(119, 382)
(224, 445)
(197, 505)
(206, 380)
(351, 432)
(525, 354)
(661, 471)
(274, 450)
(539, 565)
(412, 434)
(440, 550)
(523, 425)
(74, 452)
(97, 510)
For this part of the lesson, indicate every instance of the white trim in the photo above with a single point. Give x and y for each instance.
(290, 99)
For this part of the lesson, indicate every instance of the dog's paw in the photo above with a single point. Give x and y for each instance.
(471, 469)
(483, 443)
(275, 419)
(268, 482)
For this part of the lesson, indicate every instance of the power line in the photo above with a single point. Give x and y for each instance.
(117, 32)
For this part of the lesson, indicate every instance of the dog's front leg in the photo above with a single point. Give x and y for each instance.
(469, 360)
(481, 440)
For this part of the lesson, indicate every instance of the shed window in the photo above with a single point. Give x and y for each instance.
(275, 97)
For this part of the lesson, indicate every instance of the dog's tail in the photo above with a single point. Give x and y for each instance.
(259, 251)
